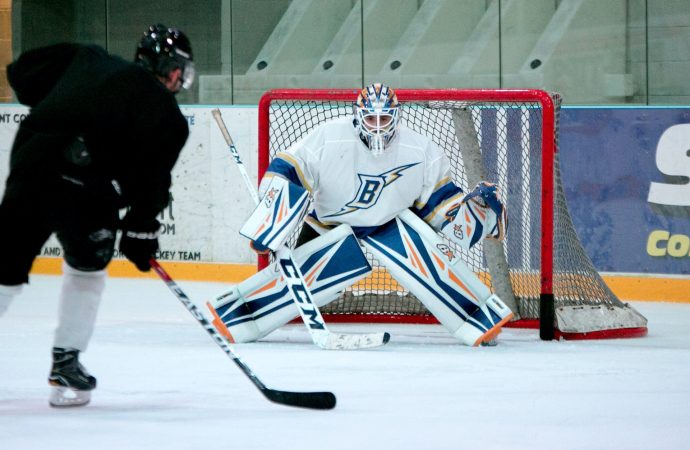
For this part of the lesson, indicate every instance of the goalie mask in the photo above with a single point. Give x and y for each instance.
(163, 50)
(376, 116)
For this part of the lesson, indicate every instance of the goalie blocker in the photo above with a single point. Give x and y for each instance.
(279, 212)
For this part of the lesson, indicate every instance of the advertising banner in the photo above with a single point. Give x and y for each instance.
(626, 174)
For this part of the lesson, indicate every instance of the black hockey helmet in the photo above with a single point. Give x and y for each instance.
(163, 50)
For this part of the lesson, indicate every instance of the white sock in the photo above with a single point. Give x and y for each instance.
(7, 293)
(79, 301)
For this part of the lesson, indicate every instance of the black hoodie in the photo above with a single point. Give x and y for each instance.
(129, 123)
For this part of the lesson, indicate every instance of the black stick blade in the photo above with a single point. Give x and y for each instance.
(311, 400)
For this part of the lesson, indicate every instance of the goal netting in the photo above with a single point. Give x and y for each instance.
(507, 136)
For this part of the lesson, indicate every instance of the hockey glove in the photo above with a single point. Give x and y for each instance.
(480, 214)
(139, 241)
(487, 196)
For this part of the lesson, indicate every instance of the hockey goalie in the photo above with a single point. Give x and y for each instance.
(377, 184)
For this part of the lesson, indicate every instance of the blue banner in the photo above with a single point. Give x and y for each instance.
(626, 175)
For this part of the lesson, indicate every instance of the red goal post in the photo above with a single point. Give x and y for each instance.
(509, 136)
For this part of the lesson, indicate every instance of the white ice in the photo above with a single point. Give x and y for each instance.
(164, 384)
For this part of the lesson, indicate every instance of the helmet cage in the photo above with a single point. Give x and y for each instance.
(187, 65)
(376, 116)
(377, 127)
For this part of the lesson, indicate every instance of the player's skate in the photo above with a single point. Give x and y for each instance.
(72, 384)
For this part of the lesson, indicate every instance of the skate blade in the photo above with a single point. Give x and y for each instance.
(64, 397)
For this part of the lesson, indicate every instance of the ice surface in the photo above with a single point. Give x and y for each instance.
(164, 384)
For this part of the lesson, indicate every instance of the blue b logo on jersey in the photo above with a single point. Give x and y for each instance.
(370, 189)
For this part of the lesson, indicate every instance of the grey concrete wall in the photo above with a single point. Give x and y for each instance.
(613, 51)
(669, 51)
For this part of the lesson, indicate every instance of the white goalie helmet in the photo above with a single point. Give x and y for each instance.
(376, 116)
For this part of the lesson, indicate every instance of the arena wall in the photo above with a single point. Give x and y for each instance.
(625, 171)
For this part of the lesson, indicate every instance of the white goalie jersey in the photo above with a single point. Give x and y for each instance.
(351, 186)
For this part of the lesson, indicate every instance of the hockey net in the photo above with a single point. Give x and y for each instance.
(505, 136)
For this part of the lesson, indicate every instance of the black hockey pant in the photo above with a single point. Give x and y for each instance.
(32, 209)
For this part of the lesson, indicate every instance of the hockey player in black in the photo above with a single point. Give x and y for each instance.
(103, 135)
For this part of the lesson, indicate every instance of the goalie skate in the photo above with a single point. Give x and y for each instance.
(72, 384)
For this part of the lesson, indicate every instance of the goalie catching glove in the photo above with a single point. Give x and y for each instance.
(139, 241)
(481, 213)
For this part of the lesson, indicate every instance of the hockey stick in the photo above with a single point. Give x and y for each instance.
(299, 291)
(313, 400)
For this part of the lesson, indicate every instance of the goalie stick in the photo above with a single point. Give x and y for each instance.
(308, 310)
(312, 400)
